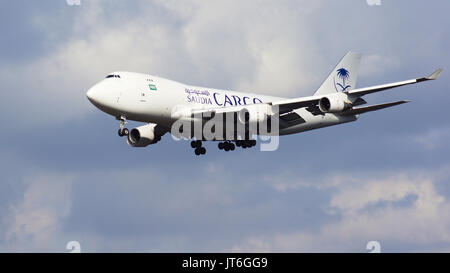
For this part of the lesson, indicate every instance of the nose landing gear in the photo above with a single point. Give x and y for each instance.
(123, 131)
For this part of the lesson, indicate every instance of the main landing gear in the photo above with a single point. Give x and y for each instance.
(230, 146)
(199, 149)
(226, 146)
(123, 131)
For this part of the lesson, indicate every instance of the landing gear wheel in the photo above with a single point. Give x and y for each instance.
(198, 143)
(221, 145)
(202, 150)
(197, 151)
(123, 132)
(193, 144)
(232, 147)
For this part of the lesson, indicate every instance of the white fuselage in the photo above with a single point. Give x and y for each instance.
(152, 99)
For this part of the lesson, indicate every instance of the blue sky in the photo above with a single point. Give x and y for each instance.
(66, 175)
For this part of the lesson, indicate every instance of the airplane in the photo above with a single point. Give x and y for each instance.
(161, 103)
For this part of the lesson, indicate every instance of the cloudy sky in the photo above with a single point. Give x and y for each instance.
(66, 175)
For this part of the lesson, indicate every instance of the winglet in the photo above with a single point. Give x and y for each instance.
(435, 74)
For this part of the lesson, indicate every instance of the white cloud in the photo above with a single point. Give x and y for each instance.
(351, 199)
(368, 210)
(375, 64)
(256, 49)
(287, 180)
(35, 222)
(358, 210)
(213, 43)
(433, 138)
(53, 87)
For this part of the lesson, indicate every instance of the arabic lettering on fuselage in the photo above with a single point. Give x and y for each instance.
(219, 99)
(196, 92)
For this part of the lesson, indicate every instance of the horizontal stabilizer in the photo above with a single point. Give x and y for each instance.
(365, 109)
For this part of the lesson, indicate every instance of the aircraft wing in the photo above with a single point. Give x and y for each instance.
(311, 102)
(367, 90)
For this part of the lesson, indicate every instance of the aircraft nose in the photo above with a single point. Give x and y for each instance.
(93, 94)
(103, 95)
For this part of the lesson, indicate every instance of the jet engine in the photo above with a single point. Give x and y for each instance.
(254, 113)
(334, 103)
(143, 136)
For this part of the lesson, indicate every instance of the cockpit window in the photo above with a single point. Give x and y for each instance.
(113, 76)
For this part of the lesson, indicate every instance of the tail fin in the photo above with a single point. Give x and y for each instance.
(343, 77)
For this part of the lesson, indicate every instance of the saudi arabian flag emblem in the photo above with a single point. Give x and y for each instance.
(152, 87)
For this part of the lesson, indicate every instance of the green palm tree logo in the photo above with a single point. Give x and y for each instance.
(343, 74)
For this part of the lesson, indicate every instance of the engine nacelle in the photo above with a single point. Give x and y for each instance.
(143, 136)
(254, 113)
(334, 103)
